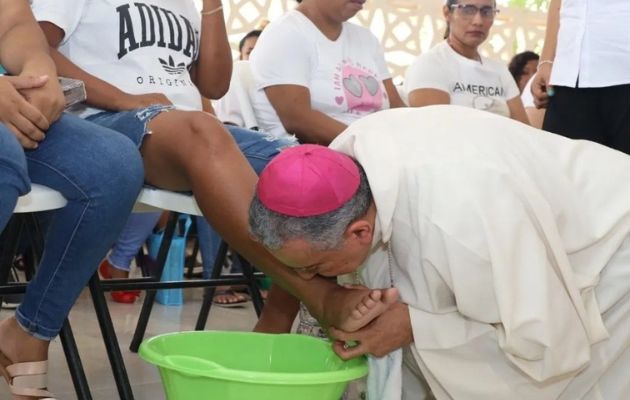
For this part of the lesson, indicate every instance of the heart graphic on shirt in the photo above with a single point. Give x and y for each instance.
(352, 85)
(370, 83)
(339, 100)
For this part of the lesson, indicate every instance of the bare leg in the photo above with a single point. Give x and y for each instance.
(279, 312)
(192, 150)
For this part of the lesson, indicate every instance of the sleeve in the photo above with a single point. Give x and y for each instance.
(65, 14)
(283, 56)
(525, 289)
(426, 73)
(511, 88)
(378, 55)
(526, 97)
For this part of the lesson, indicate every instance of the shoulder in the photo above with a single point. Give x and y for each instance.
(290, 23)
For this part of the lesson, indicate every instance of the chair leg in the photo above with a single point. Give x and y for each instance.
(208, 293)
(254, 290)
(149, 298)
(9, 240)
(110, 339)
(73, 359)
(192, 261)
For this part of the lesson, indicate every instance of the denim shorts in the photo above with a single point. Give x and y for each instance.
(259, 148)
(132, 124)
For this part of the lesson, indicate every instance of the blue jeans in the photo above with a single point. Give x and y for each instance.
(14, 180)
(99, 172)
(138, 228)
(257, 147)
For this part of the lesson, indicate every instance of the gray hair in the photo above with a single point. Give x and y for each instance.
(324, 232)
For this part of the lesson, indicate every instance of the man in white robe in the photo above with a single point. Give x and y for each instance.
(509, 247)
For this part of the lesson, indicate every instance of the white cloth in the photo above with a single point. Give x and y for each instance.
(593, 44)
(484, 85)
(527, 97)
(344, 77)
(499, 234)
(236, 106)
(139, 48)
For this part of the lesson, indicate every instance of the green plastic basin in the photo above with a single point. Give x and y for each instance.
(249, 366)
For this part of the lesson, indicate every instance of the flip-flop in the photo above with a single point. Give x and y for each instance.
(26, 379)
(241, 299)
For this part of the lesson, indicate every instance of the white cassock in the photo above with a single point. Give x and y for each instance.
(510, 247)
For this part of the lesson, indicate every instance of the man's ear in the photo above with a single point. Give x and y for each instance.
(361, 230)
(447, 13)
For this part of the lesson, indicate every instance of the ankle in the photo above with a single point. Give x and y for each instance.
(117, 273)
(18, 345)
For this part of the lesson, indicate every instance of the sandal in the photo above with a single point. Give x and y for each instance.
(26, 379)
(231, 298)
(119, 296)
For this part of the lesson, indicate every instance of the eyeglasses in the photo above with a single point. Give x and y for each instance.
(470, 10)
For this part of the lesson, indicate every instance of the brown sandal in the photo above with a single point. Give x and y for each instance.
(26, 379)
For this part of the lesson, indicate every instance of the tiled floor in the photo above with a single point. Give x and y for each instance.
(144, 377)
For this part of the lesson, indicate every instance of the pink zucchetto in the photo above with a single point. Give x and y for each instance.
(308, 180)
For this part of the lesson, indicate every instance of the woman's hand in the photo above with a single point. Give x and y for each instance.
(48, 99)
(24, 119)
(541, 89)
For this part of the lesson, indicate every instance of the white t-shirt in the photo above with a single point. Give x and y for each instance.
(593, 44)
(344, 77)
(485, 85)
(527, 97)
(136, 46)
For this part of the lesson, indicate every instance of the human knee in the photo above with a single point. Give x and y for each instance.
(205, 134)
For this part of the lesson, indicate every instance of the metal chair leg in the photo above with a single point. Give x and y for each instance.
(9, 240)
(110, 339)
(75, 366)
(208, 293)
(149, 298)
(254, 290)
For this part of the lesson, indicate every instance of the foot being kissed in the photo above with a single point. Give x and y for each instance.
(352, 306)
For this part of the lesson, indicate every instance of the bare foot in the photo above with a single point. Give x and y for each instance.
(356, 308)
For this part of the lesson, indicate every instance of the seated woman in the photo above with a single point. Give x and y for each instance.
(97, 170)
(14, 180)
(454, 72)
(144, 68)
(316, 73)
(523, 67)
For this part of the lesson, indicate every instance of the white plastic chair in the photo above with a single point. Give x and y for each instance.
(40, 198)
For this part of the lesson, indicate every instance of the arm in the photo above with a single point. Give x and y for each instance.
(394, 97)
(517, 111)
(22, 46)
(293, 105)
(542, 77)
(23, 51)
(100, 94)
(213, 69)
(428, 97)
